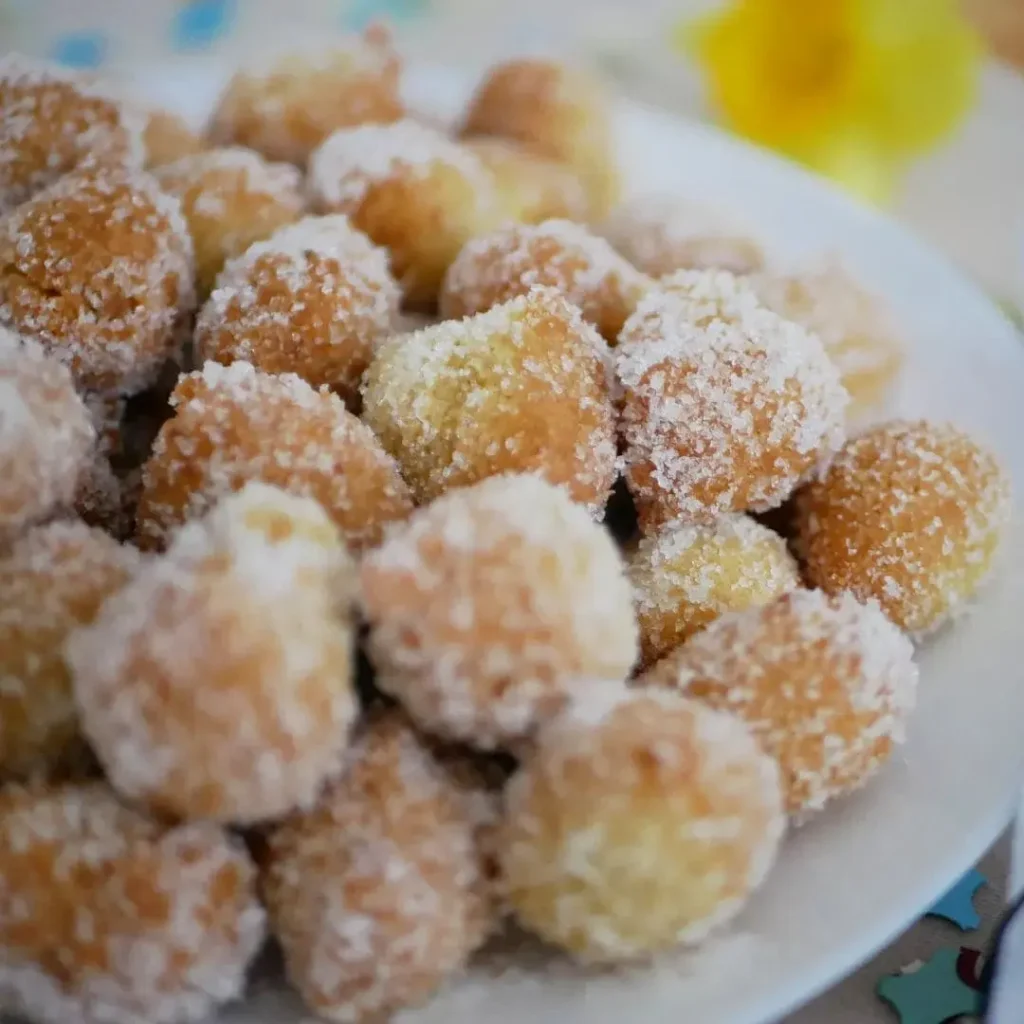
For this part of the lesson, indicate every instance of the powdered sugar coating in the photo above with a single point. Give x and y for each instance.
(638, 824)
(376, 895)
(727, 405)
(827, 684)
(494, 606)
(316, 299)
(107, 916)
(218, 683)
(522, 387)
(910, 514)
(685, 576)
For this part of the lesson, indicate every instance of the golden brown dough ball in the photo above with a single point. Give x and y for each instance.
(218, 683)
(98, 267)
(168, 138)
(558, 112)
(117, 918)
(726, 405)
(315, 299)
(234, 424)
(686, 576)
(230, 198)
(556, 254)
(376, 895)
(46, 436)
(286, 111)
(826, 684)
(493, 607)
(641, 821)
(908, 513)
(523, 387)
(414, 191)
(52, 120)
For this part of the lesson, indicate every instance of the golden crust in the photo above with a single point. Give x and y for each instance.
(168, 138)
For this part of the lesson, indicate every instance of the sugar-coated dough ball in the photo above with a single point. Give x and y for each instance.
(413, 190)
(523, 387)
(98, 268)
(376, 896)
(52, 580)
(315, 299)
(231, 198)
(685, 576)
(218, 683)
(109, 916)
(726, 405)
(286, 111)
(495, 605)
(559, 112)
(663, 234)
(557, 254)
(46, 435)
(908, 513)
(826, 684)
(234, 424)
(168, 138)
(52, 120)
(639, 822)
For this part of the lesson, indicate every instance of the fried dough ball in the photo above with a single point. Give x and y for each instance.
(168, 138)
(663, 234)
(640, 821)
(558, 112)
(46, 436)
(414, 191)
(315, 299)
(726, 405)
(855, 328)
(98, 267)
(287, 111)
(908, 513)
(686, 576)
(376, 895)
(52, 120)
(107, 916)
(218, 683)
(234, 424)
(493, 607)
(826, 684)
(52, 581)
(523, 387)
(231, 198)
(556, 254)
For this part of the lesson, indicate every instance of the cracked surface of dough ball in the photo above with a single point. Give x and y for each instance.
(234, 424)
(493, 607)
(413, 190)
(98, 268)
(557, 254)
(685, 576)
(908, 513)
(218, 683)
(826, 684)
(168, 138)
(117, 918)
(376, 895)
(641, 820)
(287, 110)
(559, 112)
(726, 405)
(52, 120)
(523, 387)
(231, 198)
(315, 299)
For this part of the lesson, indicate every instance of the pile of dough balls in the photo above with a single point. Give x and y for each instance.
(388, 543)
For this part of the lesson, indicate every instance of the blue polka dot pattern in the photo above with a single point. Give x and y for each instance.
(80, 49)
(201, 22)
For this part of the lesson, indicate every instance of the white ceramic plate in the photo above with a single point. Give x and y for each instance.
(852, 879)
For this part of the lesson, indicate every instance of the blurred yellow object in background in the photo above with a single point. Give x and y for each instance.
(852, 88)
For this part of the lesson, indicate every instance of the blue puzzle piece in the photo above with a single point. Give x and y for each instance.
(958, 904)
(931, 992)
